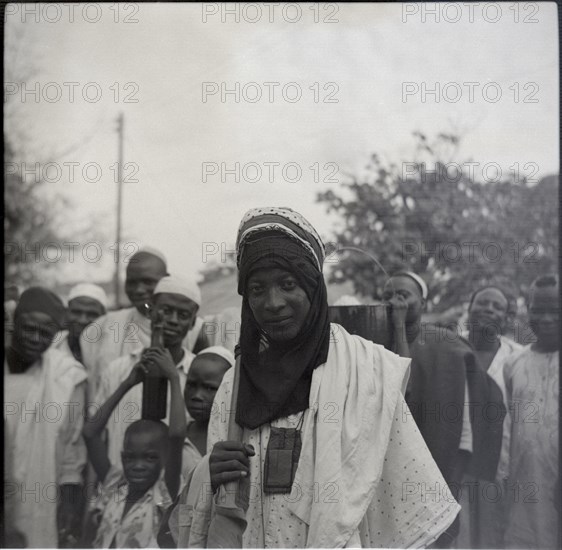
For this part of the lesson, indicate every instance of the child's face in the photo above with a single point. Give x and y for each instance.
(544, 316)
(179, 314)
(203, 381)
(143, 458)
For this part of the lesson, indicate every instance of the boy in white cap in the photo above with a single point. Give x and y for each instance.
(86, 302)
(177, 300)
(203, 380)
(121, 332)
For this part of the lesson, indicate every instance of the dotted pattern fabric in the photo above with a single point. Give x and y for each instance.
(411, 504)
(270, 522)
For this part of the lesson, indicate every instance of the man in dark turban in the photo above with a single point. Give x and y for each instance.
(331, 457)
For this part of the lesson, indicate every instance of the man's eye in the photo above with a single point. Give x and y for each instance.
(184, 316)
(152, 457)
(289, 285)
(255, 289)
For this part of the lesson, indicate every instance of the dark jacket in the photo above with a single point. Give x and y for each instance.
(441, 362)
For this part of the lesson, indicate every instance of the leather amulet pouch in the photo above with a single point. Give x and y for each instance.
(281, 460)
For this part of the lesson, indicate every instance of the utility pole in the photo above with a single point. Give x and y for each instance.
(120, 126)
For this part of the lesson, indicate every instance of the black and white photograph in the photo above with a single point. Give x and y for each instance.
(281, 275)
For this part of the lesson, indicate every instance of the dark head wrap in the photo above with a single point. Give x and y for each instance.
(275, 377)
(39, 299)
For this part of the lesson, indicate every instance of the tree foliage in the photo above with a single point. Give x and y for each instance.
(36, 214)
(30, 221)
(456, 232)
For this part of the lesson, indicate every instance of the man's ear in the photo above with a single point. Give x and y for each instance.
(424, 302)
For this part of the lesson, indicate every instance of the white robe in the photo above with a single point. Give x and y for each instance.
(44, 412)
(365, 476)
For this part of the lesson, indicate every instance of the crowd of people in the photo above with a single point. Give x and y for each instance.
(301, 435)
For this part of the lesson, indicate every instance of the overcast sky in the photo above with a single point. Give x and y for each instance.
(360, 62)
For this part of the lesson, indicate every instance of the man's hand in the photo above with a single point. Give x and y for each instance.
(398, 310)
(160, 359)
(229, 461)
(137, 374)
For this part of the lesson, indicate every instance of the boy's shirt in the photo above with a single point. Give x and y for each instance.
(190, 457)
(138, 529)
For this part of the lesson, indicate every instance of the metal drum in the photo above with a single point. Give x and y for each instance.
(372, 322)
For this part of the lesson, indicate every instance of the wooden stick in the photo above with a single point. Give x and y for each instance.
(233, 497)
(235, 431)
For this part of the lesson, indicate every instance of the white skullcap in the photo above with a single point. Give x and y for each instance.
(152, 251)
(172, 284)
(416, 278)
(88, 290)
(221, 352)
